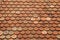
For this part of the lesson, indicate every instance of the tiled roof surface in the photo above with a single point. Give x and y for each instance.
(29, 19)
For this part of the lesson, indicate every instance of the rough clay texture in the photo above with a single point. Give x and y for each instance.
(29, 19)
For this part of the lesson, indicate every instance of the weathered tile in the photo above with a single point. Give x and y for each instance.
(29, 20)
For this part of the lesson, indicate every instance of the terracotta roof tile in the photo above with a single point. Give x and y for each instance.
(29, 19)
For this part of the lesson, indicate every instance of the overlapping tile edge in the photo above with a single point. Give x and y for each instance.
(30, 20)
